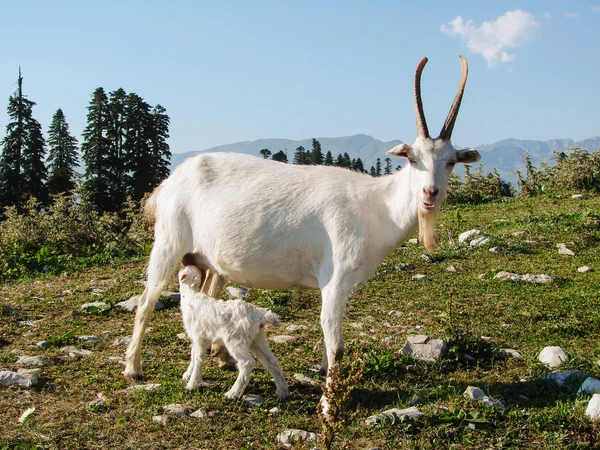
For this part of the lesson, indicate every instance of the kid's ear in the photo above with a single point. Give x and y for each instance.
(183, 277)
(400, 150)
(468, 156)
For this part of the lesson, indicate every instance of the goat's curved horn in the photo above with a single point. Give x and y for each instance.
(421, 123)
(446, 132)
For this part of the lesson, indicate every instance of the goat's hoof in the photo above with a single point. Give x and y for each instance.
(232, 395)
(191, 386)
(282, 393)
(131, 374)
(186, 376)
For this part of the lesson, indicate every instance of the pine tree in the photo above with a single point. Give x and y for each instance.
(378, 167)
(265, 153)
(316, 155)
(359, 166)
(95, 150)
(280, 156)
(138, 161)
(388, 166)
(301, 156)
(62, 155)
(159, 148)
(347, 161)
(372, 171)
(329, 159)
(115, 135)
(22, 169)
(339, 161)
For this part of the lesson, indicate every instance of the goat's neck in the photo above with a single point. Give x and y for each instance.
(400, 203)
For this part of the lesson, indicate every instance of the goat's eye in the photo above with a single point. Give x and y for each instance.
(450, 164)
(412, 162)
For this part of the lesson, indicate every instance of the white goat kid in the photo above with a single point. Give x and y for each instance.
(271, 225)
(236, 324)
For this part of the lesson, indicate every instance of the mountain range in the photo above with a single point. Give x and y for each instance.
(504, 155)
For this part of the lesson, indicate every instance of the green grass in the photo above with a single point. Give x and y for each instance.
(460, 307)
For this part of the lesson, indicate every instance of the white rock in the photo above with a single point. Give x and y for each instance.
(25, 379)
(42, 345)
(282, 339)
(563, 250)
(131, 304)
(122, 341)
(292, 328)
(141, 387)
(201, 413)
(593, 408)
(496, 249)
(578, 196)
(479, 242)
(30, 360)
(100, 402)
(28, 412)
(251, 400)
(584, 269)
(477, 394)
(451, 269)
(430, 350)
(74, 351)
(395, 313)
(183, 337)
(481, 276)
(162, 420)
(519, 233)
(290, 437)
(303, 379)
(553, 357)
(420, 277)
(529, 278)
(512, 352)
(88, 338)
(468, 235)
(590, 386)
(426, 257)
(412, 241)
(28, 323)
(417, 339)
(177, 410)
(94, 305)
(175, 296)
(275, 410)
(561, 378)
(394, 415)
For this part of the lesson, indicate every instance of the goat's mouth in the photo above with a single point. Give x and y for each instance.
(428, 205)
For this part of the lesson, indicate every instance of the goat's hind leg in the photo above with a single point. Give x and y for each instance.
(163, 263)
(260, 348)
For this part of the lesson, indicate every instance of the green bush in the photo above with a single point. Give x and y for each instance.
(52, 238)
(477, 187)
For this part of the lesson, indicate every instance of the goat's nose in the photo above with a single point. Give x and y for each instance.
(431, 191)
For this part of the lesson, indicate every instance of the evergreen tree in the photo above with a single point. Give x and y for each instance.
(339, 161)
(372, 171)
(265, 152)
(316, 155)
(378, 167)
(115, 135)
(347, 161)
(301, 156)
(280, 156)
(22, 169)
(138, 158)
(329, 159)
(359, 166)
(95, 150)
(388, 166)
(62, 155)
(159, 149)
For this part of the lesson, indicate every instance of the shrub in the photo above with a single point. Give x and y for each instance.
(478, 187)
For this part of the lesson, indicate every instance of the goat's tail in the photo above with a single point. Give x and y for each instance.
(269, 316)
(150, 205)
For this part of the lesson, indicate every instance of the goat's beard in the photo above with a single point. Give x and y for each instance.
(427, 229)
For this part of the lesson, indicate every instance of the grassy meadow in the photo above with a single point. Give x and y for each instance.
(476, 314)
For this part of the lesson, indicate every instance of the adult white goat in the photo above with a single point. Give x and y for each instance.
(271, 225)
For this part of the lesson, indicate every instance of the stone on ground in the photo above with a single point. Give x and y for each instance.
(131, 304)
(394, 415)
(423, 348)
(251, 400)
(478, 242)
(177, 410)
(477, 394)
(578, 196)
(73, 351)
(303, 379)
(529, 278)
(593, 408)
(553, 357)
(293, 327)
(22, 378)
(141, 387)
(292, 437)
(282, 339)
(30, 360)
(420, 277)
(122, 341)
(469, 235)
(512, 352)
(42, 345)
(561, 377)
(584, 269)
(88, 338)
(94, 305)
(563, 250)
(519, 233)
(99, 402)
(201, 413)
(590, 386)
(237, 292)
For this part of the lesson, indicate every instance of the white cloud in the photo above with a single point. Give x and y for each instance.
(596, 8)
(572, 15)
(492, 39)
(546, 15)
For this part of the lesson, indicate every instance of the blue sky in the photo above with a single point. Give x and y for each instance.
(233, 71)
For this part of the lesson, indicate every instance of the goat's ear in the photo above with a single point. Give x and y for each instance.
(468, 156)
(183, 277)
(400, 150)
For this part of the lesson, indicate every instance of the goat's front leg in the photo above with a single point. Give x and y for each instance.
(332, 315)
(198, 355)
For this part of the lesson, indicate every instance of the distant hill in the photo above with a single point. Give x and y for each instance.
(504, 155)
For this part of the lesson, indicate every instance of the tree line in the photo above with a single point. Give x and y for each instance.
(315, 156)
(124, 149)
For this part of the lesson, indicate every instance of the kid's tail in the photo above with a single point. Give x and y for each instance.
(269, 316)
